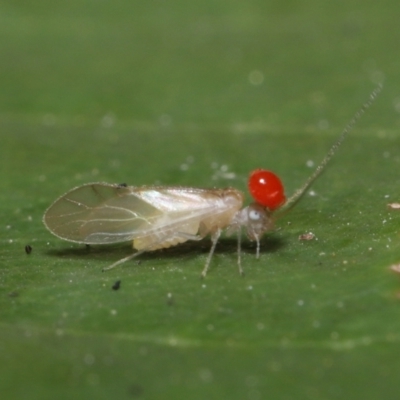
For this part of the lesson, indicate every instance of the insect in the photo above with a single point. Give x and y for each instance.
(156, 217)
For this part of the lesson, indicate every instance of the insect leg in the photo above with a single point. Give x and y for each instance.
(123, 260)
(138, 253)
(214, 239)
(239, 250)
(258, 246)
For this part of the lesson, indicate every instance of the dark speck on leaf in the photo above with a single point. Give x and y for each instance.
(116, 285)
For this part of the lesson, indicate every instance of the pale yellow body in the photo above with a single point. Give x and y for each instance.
(152, 217)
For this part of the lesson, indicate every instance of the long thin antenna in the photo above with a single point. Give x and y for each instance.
(348, 128)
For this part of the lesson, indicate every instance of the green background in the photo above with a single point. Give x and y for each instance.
(173, 93)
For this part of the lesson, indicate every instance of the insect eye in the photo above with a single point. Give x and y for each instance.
(266, 189)
(254, 215)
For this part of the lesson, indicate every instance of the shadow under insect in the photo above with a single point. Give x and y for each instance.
(226, 245)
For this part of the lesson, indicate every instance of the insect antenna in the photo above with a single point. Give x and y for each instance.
(298, 194)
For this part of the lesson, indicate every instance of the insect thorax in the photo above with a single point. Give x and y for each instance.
(255, 218)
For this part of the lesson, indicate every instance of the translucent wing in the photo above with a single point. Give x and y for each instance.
(101, 213)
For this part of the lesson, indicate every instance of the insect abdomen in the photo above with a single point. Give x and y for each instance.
(150, 243)
(225, 205)
(162, 239)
